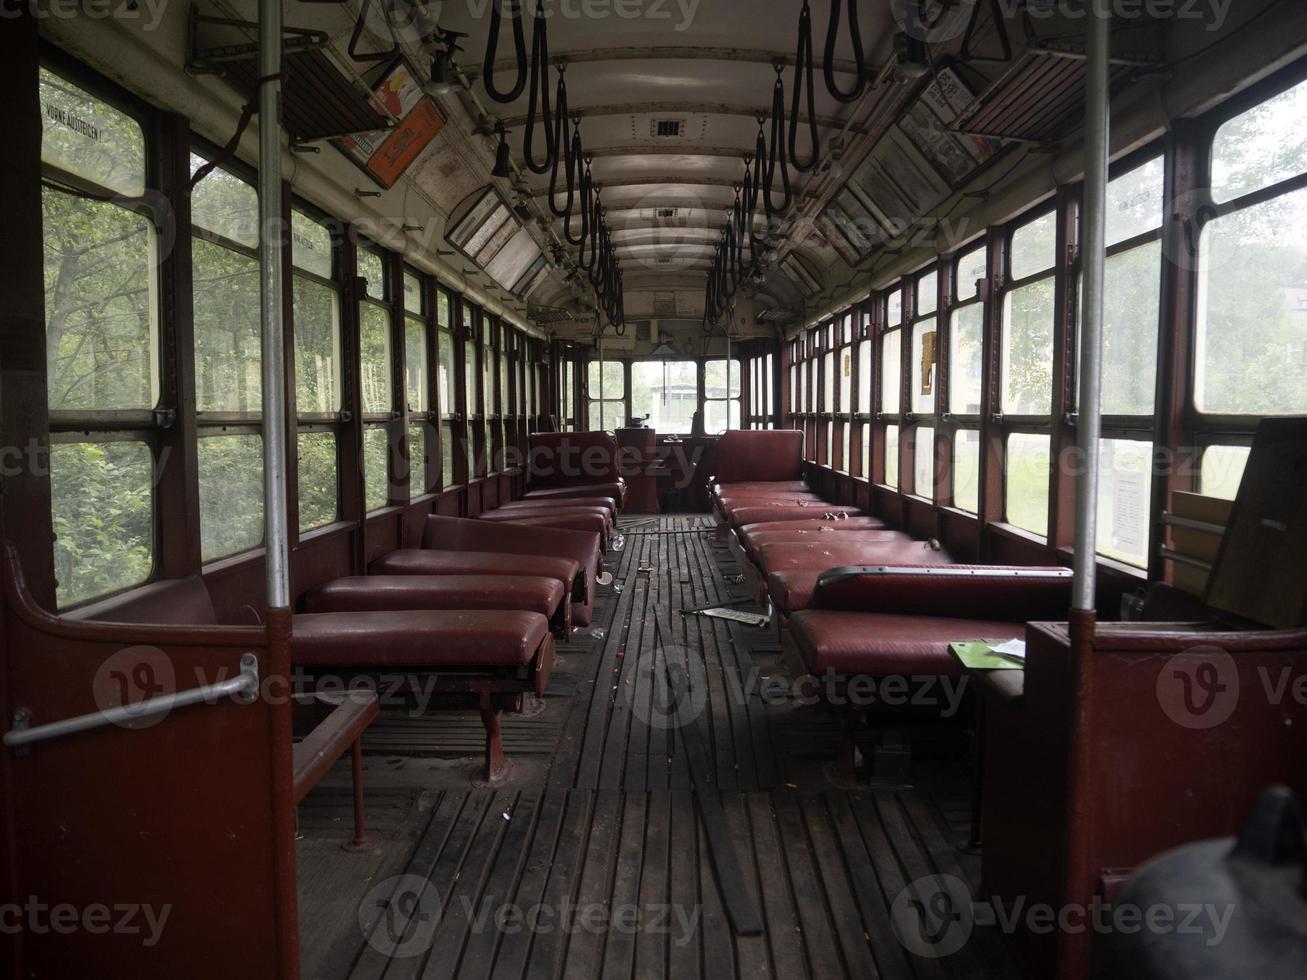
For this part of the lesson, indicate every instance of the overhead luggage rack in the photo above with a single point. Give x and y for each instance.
(318, 101)
(1034, 101)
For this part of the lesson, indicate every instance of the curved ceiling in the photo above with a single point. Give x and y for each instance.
(704, 71)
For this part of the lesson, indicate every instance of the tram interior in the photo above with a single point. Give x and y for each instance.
(596, 488)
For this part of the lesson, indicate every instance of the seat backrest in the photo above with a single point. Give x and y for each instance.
(461, 534)
(172, 602)
(760, 456)
(571, 459)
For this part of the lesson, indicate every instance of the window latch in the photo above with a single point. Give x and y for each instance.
(346, 415)
(165, 417)
(1071, 419)
(996, 418)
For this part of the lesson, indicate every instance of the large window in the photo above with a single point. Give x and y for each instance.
(891, 378)
(446, 387)
(375, 372)
(1026, 370)
(228, 393)
(721, 395)
(966, 372)
(417, 384)
(316, 305)
(667, 392)
(102, 328)
(924, 382)
(1251, 356)
(606, 387)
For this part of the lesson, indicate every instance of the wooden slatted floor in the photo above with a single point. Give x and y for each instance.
(663, 820)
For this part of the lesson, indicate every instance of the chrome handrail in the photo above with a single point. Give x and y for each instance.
(244, 688)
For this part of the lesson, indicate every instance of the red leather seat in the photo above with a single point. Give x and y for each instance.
(526, 513)
(582, 546)
(720, 490)
(377, 593)
(885, 620)
(429, 561)
(544, 503)
(881, 644)
(793, 571)
(822, 533)
(423, 638)
(766, 514)
(615, 490)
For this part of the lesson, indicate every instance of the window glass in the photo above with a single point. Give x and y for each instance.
(927, 294)
(721, 414)
(966, 470)
(225, 284)
(1125, 485)
(1027, 481)
(374, 360)
(231, 494)
(796, 400)
(1222, 470)
(442, 308)
(892, 455)
(966, 360)
(925, 357)
(102, 503)
(488, 395)
(613, 415)
(1134, 202)
(864, 464)
(373, 269)
(714, 378)
(1252, 314)
(1034, 246)
(1027, 367)
(415, 365)
(412, 293)
(447, 475)
(845, 372)
(445, 374)
(85, 137)
(376, 467)
(864, 377)
(318, 479)
(971, 268)
(611, 385)
(100, 305)
(769, 384)
(225, 205)
(829, 458)
(894, 308)
(317, 347)
(923, 459)
(891, 367)
(1131, 311)
(310, 245)
(417, 459)
(666, 392)
(1261, 147)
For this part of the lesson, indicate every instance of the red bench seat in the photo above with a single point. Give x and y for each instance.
(375, 593)
(767, 513)
(615, 490)
(581, 545)
(608, 503)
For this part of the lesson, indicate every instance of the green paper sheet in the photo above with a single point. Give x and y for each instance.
(976, 655)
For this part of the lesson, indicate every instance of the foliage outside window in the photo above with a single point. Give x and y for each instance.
(606, 388)
(667, 392)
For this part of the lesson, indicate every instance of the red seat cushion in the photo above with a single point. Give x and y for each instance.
(835, 551)
(792, 585)
(538, 503)
(360, 593)
(744, 489)
(594, 523)
(548, 510)
(429, 561)
(418, 638)
(615, 490)
(880, 644)
(765, 514)
(746, 534)
(823, 534)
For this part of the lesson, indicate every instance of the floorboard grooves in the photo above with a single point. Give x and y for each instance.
(654, 829)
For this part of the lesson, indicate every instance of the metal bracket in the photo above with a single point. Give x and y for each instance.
(165, 417)
(207, 61)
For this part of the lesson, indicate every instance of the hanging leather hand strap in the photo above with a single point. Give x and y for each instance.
(802, 83)
(855, 37)
(492, 48)
(539, 95)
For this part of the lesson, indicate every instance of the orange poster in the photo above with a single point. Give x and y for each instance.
(385, 154)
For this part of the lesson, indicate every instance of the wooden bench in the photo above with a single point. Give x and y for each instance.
(347, 718)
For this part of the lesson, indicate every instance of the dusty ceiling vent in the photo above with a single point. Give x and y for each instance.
(664, 260)
(775, 316)
(548, 314)
(664, 304)
(665, 214)
(668, 128)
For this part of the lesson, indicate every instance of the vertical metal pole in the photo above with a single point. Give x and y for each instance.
(270, 304)
(1093, 257)
(602, 422)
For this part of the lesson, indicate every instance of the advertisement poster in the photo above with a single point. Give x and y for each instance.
(384, 154)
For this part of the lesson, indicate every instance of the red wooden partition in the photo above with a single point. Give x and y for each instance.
(1153, 736)
(188, 815)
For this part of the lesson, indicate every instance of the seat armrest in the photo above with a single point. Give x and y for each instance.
(990, 592)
